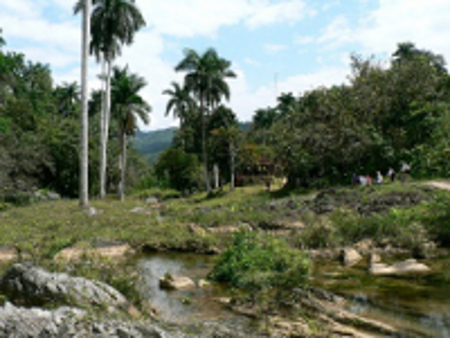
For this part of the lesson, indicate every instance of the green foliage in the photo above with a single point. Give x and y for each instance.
(179, 168)
(384, 116)
(255, 262)
(152, 143)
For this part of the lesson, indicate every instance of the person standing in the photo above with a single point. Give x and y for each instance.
(391, 174)
(379, 179)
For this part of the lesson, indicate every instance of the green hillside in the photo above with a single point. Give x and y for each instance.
(152, 143)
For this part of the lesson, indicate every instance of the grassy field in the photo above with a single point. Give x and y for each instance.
(44, 228)
(406, 215)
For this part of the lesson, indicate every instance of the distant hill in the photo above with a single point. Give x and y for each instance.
(152, 143)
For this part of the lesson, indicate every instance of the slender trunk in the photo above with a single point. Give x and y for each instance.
(122, 164)
(204, 154)
(104, 145)
(231, 166)
(84, 194)
(216, 176)
(102, 129)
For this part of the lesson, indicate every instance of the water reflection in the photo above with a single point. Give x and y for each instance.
(419, 307)
(186, 305)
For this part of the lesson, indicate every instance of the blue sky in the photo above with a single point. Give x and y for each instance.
(275, 45)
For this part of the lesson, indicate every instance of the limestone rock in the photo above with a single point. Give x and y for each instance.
(374, 258)
(364, 247)
(8, 254)
(113, 251)
(68, 322)
(152, 200)
(203, 283)
(32, 285)
(407, 267)
(170, 282)
(350, 256)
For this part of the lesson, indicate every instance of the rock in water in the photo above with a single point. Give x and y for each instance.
(409, 267)
(170, 282)
(350, 256)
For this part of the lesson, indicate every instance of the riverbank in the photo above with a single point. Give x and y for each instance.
(410, 217)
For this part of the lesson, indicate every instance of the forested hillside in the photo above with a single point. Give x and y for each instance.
(152, 143)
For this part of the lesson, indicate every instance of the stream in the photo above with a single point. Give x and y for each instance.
(419, 307)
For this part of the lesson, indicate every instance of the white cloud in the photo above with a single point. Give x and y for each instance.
(188, 18)
(244, 101)
(304, 40)
(337, 33)
(274, 48)
(424, 23)
(265, 13)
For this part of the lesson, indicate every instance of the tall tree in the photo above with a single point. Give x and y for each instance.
(127, 106)
(180, 104)
(206, 77)
(114, 23)
(67, 98)
(84, 195)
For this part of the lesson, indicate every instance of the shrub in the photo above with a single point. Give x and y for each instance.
(255, 262)
(179, 168)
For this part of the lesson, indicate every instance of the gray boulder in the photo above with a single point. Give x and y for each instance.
(34, 286)
(68, 322)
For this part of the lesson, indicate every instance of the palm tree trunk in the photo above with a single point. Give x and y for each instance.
(84, 150)
(231, 165)
(102, 127)
(123, 165)
(104, 145)
(204, 154)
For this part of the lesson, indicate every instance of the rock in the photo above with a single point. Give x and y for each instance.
(113, 251)
(424, 250)
(69, 322)
(170, 282)
(407, 267)
(8, 254)
(53, 196)
(364, 247)
(203, 283)
(223, 300)
(226, 229)
(34, 286)
(196, 230)
(350, 256)
(374, 258)
(152, 200)
(91, 211)
(139, 210)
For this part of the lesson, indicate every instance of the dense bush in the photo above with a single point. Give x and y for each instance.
(180, 169)
(256, 262)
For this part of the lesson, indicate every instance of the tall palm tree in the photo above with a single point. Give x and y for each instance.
(205, 77)
(180, 103)
(84, 195)
(114, 23)
(127, 106)
(68, 98)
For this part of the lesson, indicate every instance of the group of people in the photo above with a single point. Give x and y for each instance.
(405, 170)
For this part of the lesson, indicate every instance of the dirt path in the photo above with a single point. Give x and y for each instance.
(439, 184)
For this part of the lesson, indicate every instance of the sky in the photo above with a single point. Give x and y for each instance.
(275, 46)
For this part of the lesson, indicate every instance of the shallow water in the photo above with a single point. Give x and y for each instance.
(186, 306)
(419, 307)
